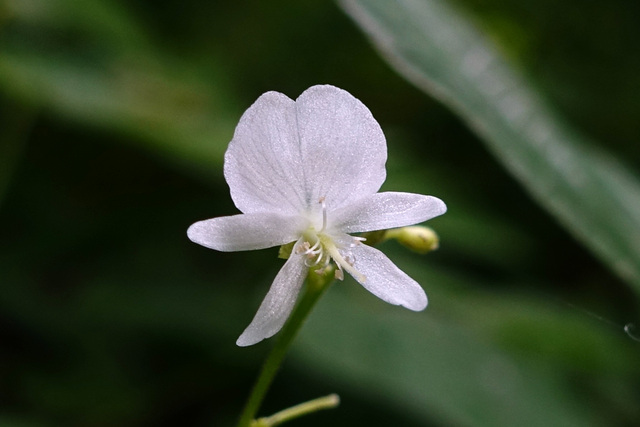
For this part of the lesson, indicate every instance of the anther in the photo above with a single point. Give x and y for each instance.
(350, 259)
(303, 248)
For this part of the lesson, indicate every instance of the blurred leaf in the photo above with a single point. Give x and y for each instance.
(438, 49)
(113, 78)
(476, 366)
(104, 19)
(169, 117)
(470, 228)
(15, 124)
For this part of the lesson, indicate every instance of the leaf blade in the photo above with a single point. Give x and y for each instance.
(440, 52)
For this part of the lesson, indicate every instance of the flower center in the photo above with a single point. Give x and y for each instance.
(320, 247)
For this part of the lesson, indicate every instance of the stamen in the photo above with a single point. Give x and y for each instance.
(327, 260)
(313, 249)
(324, 250)
(303, 248)
(319, 258)
(342, 263)
(324, 213)
(350, 259)
(310, 262)
(316, 251)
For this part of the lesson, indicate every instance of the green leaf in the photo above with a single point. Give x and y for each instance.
(115, 79)
(172, 117)
(439, 50)
(481, 360)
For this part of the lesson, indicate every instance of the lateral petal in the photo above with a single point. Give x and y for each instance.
(278, 304)
(246, 231)
(262, 165)
(342, 146)
(382, 211)
(386, 281)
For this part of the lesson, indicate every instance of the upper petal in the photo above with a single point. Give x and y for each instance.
(382, 211)
(278, 304)
(263, 165)
(246, 231)
(344, 150)
(286, 155)
(386, 281)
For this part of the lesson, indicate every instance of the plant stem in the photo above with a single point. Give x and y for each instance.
(315, 287)
(326, 402)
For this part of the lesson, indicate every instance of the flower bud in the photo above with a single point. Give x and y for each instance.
(418, 238)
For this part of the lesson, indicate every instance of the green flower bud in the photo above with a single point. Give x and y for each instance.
(418, 238)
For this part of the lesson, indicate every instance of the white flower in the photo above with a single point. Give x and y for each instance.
(308, 171)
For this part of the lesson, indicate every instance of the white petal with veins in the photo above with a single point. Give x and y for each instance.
(277, 305)
(386, 281)
(262, 165)
(342, 146)
(382, 211)
(246, 231)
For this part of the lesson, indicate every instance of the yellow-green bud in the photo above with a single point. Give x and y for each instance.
(418, 238)
(372, 238)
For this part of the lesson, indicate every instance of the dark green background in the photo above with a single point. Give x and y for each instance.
(114, 116)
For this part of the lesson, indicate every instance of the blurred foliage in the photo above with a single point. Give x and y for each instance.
(593, 196)
(114, 117)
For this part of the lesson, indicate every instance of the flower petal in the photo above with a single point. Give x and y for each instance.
(342, 146)
(246, 231)
(278, 304)
(382, 211)
(263, 166)
(385, 280)
(286, 155)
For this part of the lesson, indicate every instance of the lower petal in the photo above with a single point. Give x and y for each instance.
(386, 281)
(278, 304)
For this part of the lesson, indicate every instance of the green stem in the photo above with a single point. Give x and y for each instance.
(326, 402)
(316, 285)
